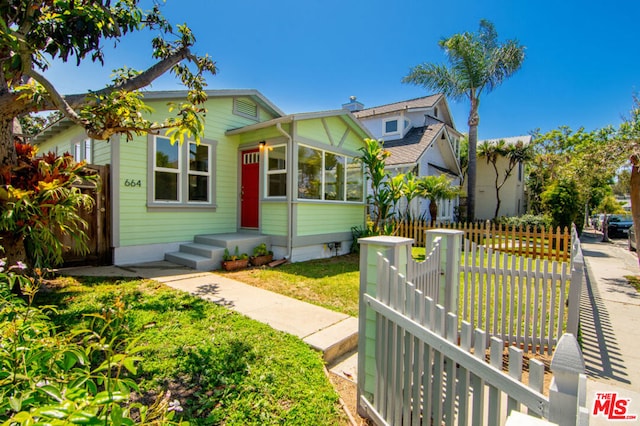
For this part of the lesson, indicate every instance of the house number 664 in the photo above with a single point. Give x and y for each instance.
(132, 182)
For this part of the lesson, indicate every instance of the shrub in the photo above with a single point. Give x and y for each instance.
(38, 200)
(536, 222)
(80, 376)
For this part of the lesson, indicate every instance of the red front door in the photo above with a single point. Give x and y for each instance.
(249, 191)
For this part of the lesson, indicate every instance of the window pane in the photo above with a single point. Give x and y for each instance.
(354, 180)
(198, 188)
(166, 186)
(277, 158)
(277, 185)
(309, 169)
(166, 154)
(391, 126)
(333, 177)
(198, 157)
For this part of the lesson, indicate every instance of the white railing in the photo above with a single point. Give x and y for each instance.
(417, 365)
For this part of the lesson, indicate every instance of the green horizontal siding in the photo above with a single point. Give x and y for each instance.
(139, 225)
(317, 218)
(101, 153)
(274, 219)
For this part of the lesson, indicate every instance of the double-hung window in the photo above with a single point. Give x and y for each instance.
(276, 171)
(182, 174)
(324, 175)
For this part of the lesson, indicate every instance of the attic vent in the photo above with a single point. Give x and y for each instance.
(245, 108)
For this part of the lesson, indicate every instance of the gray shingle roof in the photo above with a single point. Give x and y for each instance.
(409, 149)
(424, 102)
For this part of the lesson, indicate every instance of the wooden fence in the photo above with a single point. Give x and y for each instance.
(417, 364)
(523, 241)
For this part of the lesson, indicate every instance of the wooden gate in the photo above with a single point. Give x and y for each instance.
(98, 224)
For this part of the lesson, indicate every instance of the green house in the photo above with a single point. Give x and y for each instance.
(258, 175)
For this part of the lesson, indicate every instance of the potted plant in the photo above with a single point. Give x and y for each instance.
(261, 255)
(237, 260)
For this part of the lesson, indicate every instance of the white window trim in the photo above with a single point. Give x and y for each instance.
(183, 172)
(322, 179)
(398, 127)
(274, 172)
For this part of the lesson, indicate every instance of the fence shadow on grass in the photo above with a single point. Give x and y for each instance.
(599, 345)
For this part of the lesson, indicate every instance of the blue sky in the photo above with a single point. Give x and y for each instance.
(581, 69)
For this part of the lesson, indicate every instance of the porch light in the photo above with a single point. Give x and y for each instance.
(262, 144)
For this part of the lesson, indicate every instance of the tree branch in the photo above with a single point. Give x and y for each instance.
(12, 105)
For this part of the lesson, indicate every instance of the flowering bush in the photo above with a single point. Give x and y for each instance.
(38, 201)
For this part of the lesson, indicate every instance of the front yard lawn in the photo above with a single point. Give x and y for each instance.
(331, 283)
(223, 367)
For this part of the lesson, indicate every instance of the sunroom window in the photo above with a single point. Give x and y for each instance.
(324, 175)
(182, 174)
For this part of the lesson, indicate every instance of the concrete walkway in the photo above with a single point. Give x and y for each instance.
(610, 323)
(332, 333)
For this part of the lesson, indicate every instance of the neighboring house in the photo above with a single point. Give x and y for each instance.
(258, 175)
(420, 135)
(512, 193)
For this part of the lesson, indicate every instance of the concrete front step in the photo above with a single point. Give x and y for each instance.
(199, 263)
(206, 252)
(244, 242)
(335, 340)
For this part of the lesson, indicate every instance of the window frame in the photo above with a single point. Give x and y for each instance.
(184, 172)
(384, 126)
(345, 186)
(268, 172)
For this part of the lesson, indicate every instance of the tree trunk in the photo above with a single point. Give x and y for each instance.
(474, 119)
(8, 154)
(433, 210)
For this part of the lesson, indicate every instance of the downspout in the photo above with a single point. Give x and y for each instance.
(290, 192)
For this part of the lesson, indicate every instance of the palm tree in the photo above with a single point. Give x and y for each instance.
(435, 188)
(478, 64)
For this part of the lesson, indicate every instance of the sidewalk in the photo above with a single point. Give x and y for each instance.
(332, 333)
(610, 323)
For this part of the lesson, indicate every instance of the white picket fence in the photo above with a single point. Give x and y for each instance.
(523, 301)
(418, 365)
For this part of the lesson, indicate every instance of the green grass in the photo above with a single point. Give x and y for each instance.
(331, 283)
(634, 281)
(222, 366)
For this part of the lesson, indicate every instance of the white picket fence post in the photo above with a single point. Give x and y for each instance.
(398, 251)
(575, 287)
(451, 245)
(567, 365)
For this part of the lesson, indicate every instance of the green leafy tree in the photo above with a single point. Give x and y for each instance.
(435, 188)
(571, 155)
(561, 200)
(34, 33)
(515, 153)
(478, 63)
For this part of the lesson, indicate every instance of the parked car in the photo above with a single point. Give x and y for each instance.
(618, 225)
(632, 238)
